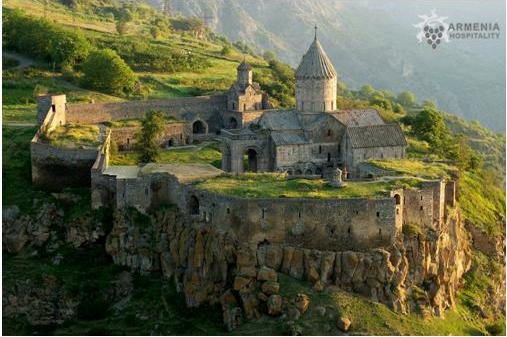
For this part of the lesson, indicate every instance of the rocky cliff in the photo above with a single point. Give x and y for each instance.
(420, 273)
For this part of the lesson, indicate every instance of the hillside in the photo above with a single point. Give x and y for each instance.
(384, 54)
(61, 275)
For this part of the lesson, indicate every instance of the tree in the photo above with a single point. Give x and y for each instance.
(398, 108)
(226, 50)
(104, 70)
(377, 99)
(269, 55)
(407, 99)
(68, 48)
(429, 125)
(366, 91)
(153, 126)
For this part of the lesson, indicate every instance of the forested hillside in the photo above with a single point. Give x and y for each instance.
(374, 42)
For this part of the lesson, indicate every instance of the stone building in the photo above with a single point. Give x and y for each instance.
(314, 136)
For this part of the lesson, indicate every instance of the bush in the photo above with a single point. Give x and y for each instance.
(105, 71)
(43, 40)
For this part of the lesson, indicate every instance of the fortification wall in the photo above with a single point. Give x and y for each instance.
(55, 168)
(188, 109)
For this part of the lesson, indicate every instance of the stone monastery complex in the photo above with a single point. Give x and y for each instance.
(314, 140)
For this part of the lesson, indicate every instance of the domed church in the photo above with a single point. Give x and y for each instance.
(315, 136)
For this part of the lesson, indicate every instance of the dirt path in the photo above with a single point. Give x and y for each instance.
(19, 124)
(23, 60)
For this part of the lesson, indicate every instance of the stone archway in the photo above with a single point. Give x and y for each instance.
(199, 127)
(250, 161)
(233, 123)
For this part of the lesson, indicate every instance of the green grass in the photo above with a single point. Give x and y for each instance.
(415, 168)
(368, 318)
(482, 199)
(16, 169)
(74, 135)
(272, 185)
(26, 113)
(208, 154)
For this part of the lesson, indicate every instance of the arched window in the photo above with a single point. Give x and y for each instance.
(397, 198)
(328, 156)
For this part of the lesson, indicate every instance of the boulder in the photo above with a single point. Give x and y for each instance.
(274, 305)
(267, 274)
(312, 259)
(270, 287)
(288, 254)
(250, 304)
(343, 323)
(293, 313)
(302, 302)
(241, 282)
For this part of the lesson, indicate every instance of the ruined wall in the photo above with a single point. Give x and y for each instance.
(53, 105)
(175, 134)
(55, 168)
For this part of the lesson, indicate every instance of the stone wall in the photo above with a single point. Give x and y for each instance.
(175, 134)
(355, 156)
(206, 108)
(316, 95)
(55, 168)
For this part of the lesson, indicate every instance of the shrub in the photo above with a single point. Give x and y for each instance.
(152, 128)
(44, 40)
(105, 71)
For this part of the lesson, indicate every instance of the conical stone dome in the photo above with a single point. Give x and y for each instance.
(315, 64)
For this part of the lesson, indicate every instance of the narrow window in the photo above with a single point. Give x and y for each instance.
(128, 140)
(228, 211)
(320, 149)
(421, 197)
(421, 208)
(379, 232)
(357, 212)
(328, 156)
(299, 215)
(244, 107)
(332, 105)
(329, 132)
(233, 106)
(263, 213)
(348, 230)
(53, 107)
(378, 214)
(397, 211)
(146, 190)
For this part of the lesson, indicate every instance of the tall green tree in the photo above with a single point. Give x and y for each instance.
(153, 126)
(429, 125)
(105, 71)
(407, 99)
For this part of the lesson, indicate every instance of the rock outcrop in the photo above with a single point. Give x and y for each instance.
(417, 272)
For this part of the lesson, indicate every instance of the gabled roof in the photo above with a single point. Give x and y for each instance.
(315, 63)
(358, 117)
(284, 138)
(280, 120)
(376, 136)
